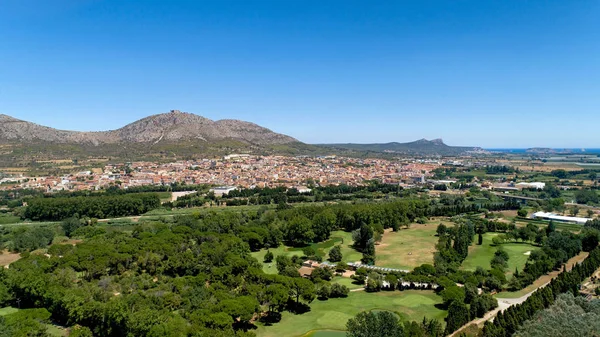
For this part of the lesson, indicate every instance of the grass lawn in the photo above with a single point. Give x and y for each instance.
(408, 248)
(346, 281)
(482, 255)
(326, 333)
(342, 238)
(8, 311)
(334, 313)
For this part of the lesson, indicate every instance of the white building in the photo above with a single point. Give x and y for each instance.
(560, 218)
(536, 185)
(222, 190)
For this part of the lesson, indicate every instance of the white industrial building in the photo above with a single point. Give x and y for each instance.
(536, 185)
(560, 218)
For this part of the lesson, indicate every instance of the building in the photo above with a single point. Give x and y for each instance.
(560, 218)
(222, 190)
(536, 185)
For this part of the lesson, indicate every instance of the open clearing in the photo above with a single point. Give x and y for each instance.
(7, 258)
(334, 313)
(481, 256)
(346, 281)
(408, 248)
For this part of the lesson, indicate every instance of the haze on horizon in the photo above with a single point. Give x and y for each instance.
(495, 74)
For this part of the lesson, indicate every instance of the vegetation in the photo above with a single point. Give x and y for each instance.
(104, 206)
(508, 322)
(568, 316)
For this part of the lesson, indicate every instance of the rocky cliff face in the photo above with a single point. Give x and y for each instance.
(168, 127)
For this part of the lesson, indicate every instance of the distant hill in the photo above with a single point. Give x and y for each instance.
(167, 127)
(419, 147)
(167, 136)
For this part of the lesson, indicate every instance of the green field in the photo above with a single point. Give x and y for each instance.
(334, 313)
(408, 248)
(348, 282)
(337, 238)
(6, 218)
(326, 333)
(8, 311)
(482, 255)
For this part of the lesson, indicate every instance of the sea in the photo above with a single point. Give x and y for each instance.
(557, 150)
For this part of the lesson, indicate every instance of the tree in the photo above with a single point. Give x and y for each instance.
(335, 254)
(276, 297)
(324, 223)
(299, 231)
(451, 294)
(323, 291)
(441, 230)
(586, 197)
(574, 210)
(480, 239)
(268, 257)
(369, 253)
(242, 308)
(301, 288)
(522, 212)
(551, 228)
(374, 324)
(322, 274)
(374, 282)
(362, 236)
(481, 304)
(282, 262)
(70, 225)
(458, 315)
(590, 239)
(339, 290)
(341, 267)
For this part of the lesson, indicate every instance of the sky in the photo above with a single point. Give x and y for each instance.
(475, 73)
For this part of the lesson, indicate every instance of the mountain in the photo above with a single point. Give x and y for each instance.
(174, 126)
(419, 147)
(164, 137)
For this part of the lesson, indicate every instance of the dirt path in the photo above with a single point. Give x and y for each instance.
(6, 258)
(505, 303)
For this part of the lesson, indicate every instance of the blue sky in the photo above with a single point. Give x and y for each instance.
(484, 73)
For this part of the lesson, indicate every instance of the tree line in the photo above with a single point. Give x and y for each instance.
(509, 321)
(102, 206)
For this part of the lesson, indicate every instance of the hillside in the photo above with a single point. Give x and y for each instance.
(168, 136)
(168, 127)
(419, 147)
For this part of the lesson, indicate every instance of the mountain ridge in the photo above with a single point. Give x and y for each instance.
(172, 126)
(421, 147)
